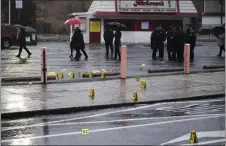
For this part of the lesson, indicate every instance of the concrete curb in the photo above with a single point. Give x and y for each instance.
(166, 70)
(213, 66)
(16, 115)
(26, 79)
(81, 80)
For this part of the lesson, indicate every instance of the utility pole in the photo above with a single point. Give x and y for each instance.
(221, 3)
(9, 12)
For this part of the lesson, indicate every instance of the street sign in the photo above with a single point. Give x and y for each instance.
(146, 6)
(19, 4)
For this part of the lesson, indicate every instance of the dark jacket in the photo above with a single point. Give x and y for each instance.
(118, 36)
(157, 38)
(161, 37)
(108, 36)
(180, 40)
(170, 40)
(77, 41)
(22, 37)
(191, 37)
(153, 40)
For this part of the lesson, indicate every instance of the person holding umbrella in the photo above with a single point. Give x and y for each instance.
(79, 44)
(73, 45)
(108, 38)
(22, 42)
(117, 42)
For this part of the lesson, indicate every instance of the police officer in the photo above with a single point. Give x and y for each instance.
(179, 42)
(161, 37)
(117, 42)
(153, 44)
(174, 50)
(108, 38)
(171, 43)
(191, 39)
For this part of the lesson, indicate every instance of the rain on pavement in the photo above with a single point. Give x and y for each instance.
(58, 59)
(142, 124)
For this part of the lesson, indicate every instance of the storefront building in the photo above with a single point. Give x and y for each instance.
(140, 17)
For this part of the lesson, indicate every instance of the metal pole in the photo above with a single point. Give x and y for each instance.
(221, 11)
(9, 12)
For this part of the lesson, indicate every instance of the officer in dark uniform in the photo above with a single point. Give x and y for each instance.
(117, 42)
(180, 40)
(171, 43)
(153, 44)
(161, 37)
(191, 39)
(108, 38)
(174, 50)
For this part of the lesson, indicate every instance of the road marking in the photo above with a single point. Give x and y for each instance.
(98, 115)
(199, 135)
(98, 122)
(130, 109)
(208, 142)
(115, 128)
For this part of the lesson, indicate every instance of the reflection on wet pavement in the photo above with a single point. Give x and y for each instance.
(52, 96)
(109, 118)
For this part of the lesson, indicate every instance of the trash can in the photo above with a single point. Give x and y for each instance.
(31, 36)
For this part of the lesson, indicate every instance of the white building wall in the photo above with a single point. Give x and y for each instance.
(212, 20)
(86, 32)
(132, 37)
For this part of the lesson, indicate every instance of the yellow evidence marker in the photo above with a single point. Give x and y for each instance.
(91, 93)
(135, 96)
(102, 75)
(142, 66)
(90, 74)
(143, 84)
(85, 132)
(71, 75)
(61, 75)
(85, 72)
(193, 137)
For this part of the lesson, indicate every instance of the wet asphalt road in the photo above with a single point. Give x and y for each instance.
(58, 59)
(144, 124)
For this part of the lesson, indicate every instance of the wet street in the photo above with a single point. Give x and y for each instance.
(163, 123)
(58, 59)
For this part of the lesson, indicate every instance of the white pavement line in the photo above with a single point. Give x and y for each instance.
(111, 121)
(190, 110)
(115, 128)
(118, 111)
(98, 115)
(199, 135)
(208, 142)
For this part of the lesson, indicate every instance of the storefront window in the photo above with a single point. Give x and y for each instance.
(145, 25)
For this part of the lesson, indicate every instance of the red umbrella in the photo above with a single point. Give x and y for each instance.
(73, 21)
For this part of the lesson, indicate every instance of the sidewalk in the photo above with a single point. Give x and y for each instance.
(26, 98)
(58, 60)
(65, 37)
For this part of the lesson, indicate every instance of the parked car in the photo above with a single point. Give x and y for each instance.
(8, 36)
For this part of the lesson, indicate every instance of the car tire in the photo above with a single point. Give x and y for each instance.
(6, 43)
